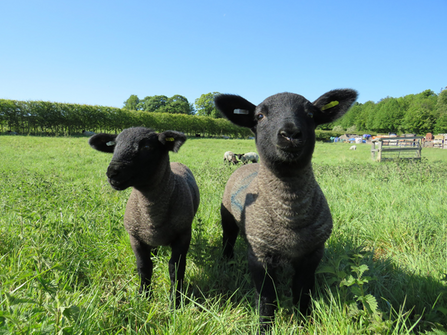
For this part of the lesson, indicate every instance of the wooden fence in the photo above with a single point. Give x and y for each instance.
(389, 148)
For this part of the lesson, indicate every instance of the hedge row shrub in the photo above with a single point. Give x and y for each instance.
(52, 118)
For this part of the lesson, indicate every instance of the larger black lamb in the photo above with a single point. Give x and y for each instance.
(164, 199)
(277, 203)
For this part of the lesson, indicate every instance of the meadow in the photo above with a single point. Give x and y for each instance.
(66, 266)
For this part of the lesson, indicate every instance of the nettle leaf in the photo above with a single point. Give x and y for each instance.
(326, 269)
(341, 274)
(362, 281)
(369, 302)
(352, 310)
(331, 281)
(442, 310)
(348, 281)
(71, 313)
(356, 291)
(360, 269)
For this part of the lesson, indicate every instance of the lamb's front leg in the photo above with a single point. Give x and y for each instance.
(304, 278)
(143, 254)
(264, 279)
(177, 265)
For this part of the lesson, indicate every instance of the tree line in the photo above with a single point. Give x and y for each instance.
(177, 104)
(415, 113)
(52, 118)
(421, 113)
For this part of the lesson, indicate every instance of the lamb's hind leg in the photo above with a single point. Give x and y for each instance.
(177, 265)
(304, 278)
(230, 232)
(143, 253)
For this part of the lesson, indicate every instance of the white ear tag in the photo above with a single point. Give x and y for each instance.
(241, 111)
(110, 143)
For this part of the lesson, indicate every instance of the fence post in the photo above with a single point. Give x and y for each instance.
(380, 150)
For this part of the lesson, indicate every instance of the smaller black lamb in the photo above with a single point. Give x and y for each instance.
(164, 199)
(277, 203)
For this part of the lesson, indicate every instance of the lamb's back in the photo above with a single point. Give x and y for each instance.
(188, 191)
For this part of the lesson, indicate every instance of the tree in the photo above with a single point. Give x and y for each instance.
(441, 112)
(205, 105)
(178, 104)
(132, 103)
(338, 129)
(153, 103)
(348, 119)
(366, 120)
(421, 116)
(388, 116)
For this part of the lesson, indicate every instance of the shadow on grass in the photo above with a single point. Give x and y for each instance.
(419, 299)
(370, 289)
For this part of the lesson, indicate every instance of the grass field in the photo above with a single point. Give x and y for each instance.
(66, 266)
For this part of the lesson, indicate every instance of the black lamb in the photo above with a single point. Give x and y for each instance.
(164, 199)
(277, 203)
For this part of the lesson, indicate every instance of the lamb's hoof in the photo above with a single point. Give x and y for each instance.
(175, 300)
(146, 293)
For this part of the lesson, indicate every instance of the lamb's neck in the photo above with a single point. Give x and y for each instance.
(160, 188)
(151, 204)
(291, 187)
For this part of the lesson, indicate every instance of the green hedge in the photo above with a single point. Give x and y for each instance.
(52, 118)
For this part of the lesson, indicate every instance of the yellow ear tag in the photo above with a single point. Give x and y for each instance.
(330, 105)
(169, 139)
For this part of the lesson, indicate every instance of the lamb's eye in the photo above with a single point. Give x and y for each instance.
(145, 147)
(260, 116)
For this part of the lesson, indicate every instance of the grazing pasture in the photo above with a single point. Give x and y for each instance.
(67, 266)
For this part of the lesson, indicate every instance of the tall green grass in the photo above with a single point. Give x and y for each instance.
(66, 265)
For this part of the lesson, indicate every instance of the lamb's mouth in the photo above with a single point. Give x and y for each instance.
(117, 185)
(289, 148)
(293, 146)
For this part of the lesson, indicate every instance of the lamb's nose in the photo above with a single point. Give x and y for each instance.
(112, 170)
(290, 133)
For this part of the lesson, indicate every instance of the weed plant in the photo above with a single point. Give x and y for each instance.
(67, 266)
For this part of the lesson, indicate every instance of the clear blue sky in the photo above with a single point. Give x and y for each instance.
(101, 52)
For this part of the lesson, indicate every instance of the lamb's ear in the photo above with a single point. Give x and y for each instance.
(236, 109)
(103, 142)
(333, 105)
(172, 140)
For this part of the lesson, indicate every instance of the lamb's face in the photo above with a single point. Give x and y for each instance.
(285, 123)
(136, 158)
(140, 155)
(285, 129)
